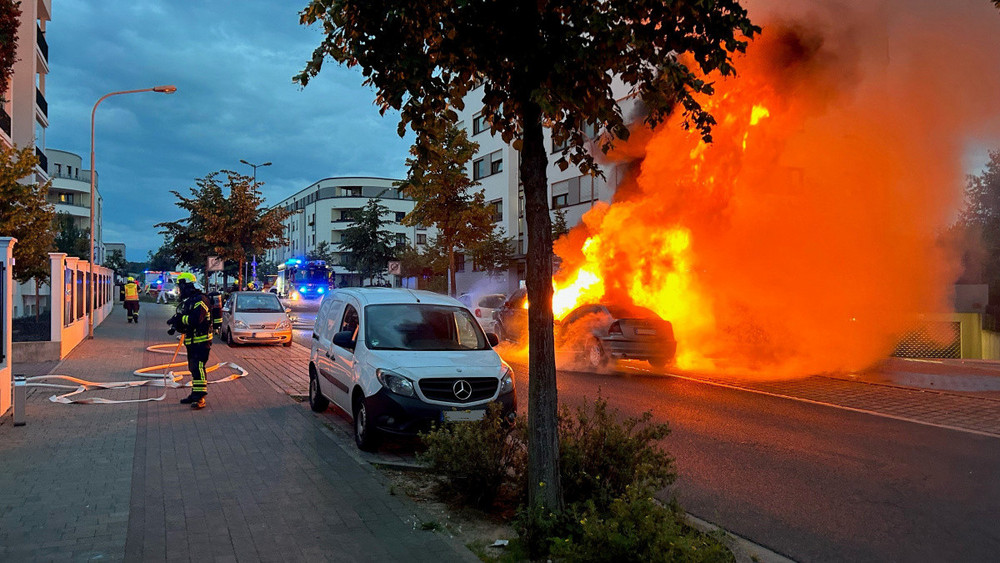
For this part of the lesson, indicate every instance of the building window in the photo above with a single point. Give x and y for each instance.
(488, 165)
(496, 206)
(459, 262)
(400, 239)
(479, 169)
(352, 191)
(421, 238)
(496, 166)
(559, 147)
(400, 215)
(558, 201)
(66, 198)
(479, 124)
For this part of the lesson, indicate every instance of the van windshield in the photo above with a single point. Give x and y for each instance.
(422, 327)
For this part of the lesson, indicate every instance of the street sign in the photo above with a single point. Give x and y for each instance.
(395, 268)
(215, 264)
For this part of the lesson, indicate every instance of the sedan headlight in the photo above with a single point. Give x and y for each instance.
(240, 324)
(507, 380)
(285, 324)
(395, 383)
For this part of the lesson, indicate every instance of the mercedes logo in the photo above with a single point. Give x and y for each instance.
(462, 389)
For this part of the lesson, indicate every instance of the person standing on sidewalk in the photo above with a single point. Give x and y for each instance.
(132, 300)
(194, 321)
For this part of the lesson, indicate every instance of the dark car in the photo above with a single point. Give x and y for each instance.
(599, 333)
(512, 317)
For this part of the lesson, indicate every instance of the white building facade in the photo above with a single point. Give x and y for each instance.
(325, 209)
(496, 168)
(70, 194)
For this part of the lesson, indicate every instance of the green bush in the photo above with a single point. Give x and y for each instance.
(634, 527)
(600, 457)
(479, 458)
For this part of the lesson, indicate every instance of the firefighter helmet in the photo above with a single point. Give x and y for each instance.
(131, 279)
(186, 277)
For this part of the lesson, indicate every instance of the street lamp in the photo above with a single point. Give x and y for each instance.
(255, 167)
(168, 89)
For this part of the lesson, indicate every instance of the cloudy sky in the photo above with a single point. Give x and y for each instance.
(232, 63)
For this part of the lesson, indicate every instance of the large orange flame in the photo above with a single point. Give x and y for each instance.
(803, 238)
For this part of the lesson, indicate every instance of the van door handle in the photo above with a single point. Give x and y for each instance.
(315, 336)
(331, 356)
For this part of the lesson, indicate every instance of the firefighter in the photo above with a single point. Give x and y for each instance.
(132, 300)
(194, 321)
(215, 304)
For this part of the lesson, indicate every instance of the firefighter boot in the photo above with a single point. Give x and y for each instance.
(199, 404)
(189, 399)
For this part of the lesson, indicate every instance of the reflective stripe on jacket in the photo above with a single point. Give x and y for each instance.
(131, 292)
(196, 320)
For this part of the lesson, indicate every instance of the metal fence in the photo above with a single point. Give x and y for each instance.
(933, 340)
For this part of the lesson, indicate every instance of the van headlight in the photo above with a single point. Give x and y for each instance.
(506, 380)
(395, 383)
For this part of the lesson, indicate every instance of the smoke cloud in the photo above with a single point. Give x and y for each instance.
(805, 238)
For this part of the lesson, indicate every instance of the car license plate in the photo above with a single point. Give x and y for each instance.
(462, 416)
(645, 331)
(262, 335)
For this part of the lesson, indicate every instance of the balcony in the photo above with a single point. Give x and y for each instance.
(43, 161)
(43, 46)
(5, 121)
(42, 104)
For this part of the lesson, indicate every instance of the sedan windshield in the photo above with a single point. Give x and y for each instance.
(422, 327)
(258, 303)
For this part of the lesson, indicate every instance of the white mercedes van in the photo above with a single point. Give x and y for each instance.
(398, 360)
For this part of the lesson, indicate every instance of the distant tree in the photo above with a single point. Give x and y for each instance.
(559, 227)
(323, 251)
(536, 62)
(10, 15)
(69, 238)
(980, 220)
(494, 253)
(368, 244)
(25, 215)
(442, 190)
(233, 226)
(163, 259)
(117, 263)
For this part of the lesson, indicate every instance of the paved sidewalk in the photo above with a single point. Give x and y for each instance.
(255, 476)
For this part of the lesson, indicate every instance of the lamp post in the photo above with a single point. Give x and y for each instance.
(167, 89)
(255, 167)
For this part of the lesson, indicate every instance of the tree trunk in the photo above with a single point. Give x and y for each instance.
(451, 269)
(240, 274)
(545, 487)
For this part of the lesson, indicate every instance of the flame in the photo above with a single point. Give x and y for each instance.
(803, 238)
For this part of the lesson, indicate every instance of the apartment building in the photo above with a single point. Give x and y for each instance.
(495, 167)
(70, 194)
(328, 207)
(24, 111)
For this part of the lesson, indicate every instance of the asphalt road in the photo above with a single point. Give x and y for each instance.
(813, 482)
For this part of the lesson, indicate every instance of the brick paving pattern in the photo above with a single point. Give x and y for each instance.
(255, 476)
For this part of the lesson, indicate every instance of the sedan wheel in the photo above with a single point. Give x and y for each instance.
(595, 356)
(229, 338)
(365, 434)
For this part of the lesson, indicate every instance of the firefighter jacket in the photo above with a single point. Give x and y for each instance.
(131, 291)
(195, 320)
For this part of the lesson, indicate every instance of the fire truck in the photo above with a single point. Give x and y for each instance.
(303, 279)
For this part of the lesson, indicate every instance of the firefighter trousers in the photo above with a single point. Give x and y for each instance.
(197, 355)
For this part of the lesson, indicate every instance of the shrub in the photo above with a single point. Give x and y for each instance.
(600, 457)
(478, 457)
(634, 527)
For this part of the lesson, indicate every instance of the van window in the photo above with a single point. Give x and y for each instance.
(422, 327)
(350, 321)
(326, 318)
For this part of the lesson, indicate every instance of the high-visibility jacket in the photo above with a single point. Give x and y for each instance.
(195, 320)
(131, 292)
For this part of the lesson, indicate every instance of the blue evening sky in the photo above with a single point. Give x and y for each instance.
(232, 63)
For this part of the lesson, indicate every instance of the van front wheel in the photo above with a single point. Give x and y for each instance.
(365, 434)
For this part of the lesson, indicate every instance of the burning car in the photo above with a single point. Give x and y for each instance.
(511, 318)
(600, 333)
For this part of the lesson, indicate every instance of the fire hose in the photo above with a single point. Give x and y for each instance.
(155, 378)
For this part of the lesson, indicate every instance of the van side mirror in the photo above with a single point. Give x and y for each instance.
(344, 339)
(492, 338)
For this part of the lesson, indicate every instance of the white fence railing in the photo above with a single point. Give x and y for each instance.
(71, 290)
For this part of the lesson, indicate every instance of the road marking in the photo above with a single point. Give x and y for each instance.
(834, 405)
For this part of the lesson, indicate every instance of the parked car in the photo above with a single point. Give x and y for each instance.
(398, 360)
(254, 317)
(511, 319)
(599, 333)
(483, 306)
